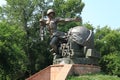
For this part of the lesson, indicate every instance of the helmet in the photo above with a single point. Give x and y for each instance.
(50, 11)
(79, 34)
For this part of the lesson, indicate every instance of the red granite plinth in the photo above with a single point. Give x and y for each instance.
(80, 69)
(61, 71)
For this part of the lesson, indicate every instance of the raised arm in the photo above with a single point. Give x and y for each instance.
(76, 19)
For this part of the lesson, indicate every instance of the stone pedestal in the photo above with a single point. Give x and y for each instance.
(61, 71)
(81, 69)
(89, 61)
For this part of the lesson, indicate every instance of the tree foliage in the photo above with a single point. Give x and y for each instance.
(12, 55)
(112, 63)
(22, 51)
(25, 14)
(107, 43)
(68, 9)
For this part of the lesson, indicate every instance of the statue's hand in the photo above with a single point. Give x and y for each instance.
(78, 18)
(42, 22)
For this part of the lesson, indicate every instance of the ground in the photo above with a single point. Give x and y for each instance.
(99, 76)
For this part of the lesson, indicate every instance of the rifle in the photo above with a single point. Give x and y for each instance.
(42, 25)
(42, 21)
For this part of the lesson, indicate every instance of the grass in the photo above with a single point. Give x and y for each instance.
(93, 77)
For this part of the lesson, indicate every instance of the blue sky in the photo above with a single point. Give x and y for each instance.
(100, 12)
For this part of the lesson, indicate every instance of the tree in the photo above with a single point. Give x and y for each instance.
(25, 14)
(107, 43)
(68, 9)
(12, 56)
(112, 63)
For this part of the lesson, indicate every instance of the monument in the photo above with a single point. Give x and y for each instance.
(73, 52)
(78, 48)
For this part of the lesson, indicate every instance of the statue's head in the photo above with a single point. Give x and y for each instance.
(50, 13)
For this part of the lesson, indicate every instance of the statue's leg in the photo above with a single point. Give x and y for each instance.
(53, 44)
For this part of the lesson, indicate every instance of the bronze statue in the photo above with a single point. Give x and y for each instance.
(74, 47)
(52, 27)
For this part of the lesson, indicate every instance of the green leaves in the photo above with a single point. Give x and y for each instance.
(107, 43)
(12, 55)
(68, 8)
(20, 47)
(112, 61)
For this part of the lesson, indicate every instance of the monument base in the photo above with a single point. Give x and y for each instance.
(61, 71)
(93, 61)
(80, 69)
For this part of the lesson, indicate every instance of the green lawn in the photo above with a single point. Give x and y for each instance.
(94, 77)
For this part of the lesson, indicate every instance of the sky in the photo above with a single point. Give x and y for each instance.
(2, 2)
(99, 12)
(102, 13)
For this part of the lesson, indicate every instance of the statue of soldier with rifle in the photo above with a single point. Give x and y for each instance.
(51, 23)
(76, 46)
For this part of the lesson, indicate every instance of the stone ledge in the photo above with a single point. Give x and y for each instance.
(86, 61)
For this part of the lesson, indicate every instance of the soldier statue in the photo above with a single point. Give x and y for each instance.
(51, 23)
(78, 47)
